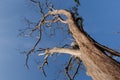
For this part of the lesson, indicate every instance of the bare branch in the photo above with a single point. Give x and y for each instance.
(107, 49)
(61, 20)
(67, 68)
(87, 44)
(44, 63)
(38, 27)
(73, 52)
(39, 5)
(56, 12)
(28, 57)
(77, 69)
(33, 49)
(49, 5)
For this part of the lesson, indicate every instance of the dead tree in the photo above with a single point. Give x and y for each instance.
(99, 65)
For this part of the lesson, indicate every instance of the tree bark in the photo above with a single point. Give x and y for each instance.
(99, 66)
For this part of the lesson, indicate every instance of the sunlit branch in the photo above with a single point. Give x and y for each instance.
(56, 12)
(63, 51)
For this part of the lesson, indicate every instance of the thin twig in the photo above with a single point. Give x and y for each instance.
(32, 50)
(44, 63)
(67, 68)
(39, 5)
(28, 57)
(77, 70)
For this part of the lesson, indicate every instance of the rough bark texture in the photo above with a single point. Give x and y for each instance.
(99, 66)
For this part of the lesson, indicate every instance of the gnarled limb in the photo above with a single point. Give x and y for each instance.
(99, 66)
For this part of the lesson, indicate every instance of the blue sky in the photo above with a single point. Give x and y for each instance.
(101, 21)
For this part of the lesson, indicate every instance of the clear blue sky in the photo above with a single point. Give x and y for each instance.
(101, 21)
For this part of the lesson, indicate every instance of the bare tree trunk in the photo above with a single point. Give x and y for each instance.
(99, 66)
